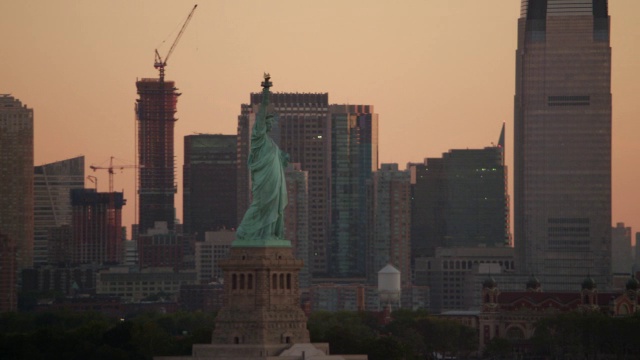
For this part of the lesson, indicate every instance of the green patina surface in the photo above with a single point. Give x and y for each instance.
(263, 223)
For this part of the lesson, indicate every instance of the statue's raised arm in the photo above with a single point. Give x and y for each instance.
(263, 223)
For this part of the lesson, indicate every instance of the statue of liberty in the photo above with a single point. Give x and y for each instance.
(263, 223)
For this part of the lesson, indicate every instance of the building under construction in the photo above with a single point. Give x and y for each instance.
(155, 112)
(97, 226)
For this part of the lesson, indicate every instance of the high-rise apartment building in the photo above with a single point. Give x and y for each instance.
(210, 186)
(16, 176)
(337, 145)
(390, 241)
(52, 201)
(155, 112)
(296, 217)
(354, 158)
(97, 226)
(460, 200)
(302, 131)
(562, 142)
(621, 254)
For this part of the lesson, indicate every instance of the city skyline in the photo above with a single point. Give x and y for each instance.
(76, 65)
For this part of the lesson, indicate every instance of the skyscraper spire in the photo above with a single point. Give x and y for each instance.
(501, 142)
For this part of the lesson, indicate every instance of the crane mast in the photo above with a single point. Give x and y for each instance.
(111, 210)
(159, 63)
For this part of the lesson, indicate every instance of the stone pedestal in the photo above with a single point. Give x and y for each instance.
(262, 299)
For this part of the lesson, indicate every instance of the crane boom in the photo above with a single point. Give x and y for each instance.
(159, 63)
(110, 169)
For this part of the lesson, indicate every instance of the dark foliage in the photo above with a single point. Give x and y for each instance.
(67, 335)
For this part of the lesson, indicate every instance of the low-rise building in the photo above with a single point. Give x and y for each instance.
(135, 285)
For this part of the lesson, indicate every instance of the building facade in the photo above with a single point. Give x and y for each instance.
(16, 176)
(96, 226)
(354, 158)
(52, 201)
(390, 241)
(8, 275)
(296, 218)
(155, 112)
(132, 285)
(210, 252)
(451, 272)
(622, 257)
(302, 131)
(562, 141)
(460, 200)
(209, 183)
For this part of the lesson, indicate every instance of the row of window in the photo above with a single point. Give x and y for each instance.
(464, 265)
(246, 281)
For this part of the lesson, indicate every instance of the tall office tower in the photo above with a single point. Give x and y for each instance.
(303, 132)
(621, 254)
(8, 275)
(155, 112)
(427, 200)
(562, 142)
(296, 217)
(96, 226)
(209, 183)
(16, 176)
(52, 201)
(354, 157)
(390, 241)
(460, 200)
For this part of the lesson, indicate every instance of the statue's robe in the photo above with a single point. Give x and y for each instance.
(264, 220)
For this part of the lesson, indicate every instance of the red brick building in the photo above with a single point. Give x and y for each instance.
(513, 314)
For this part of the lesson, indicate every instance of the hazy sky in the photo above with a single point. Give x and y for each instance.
(440, 74)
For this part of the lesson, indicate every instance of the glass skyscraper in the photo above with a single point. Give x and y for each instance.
(354, 158)
(52, 200)
(562, 141)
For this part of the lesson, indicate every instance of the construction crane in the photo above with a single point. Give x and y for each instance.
(159, 63)
(94, 180)
(111, 169)
(111, 210)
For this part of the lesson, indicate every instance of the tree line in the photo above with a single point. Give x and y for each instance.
(409, 335)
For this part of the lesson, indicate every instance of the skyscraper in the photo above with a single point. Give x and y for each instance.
(354, 158)
(296, 217)
(621, 249)
(16, 177)
(303, 132)
(155, 112)
(210, 186)
(97, 226)
(460, 200)
(562, 142)
(390, 241)
(52, 200)
(338, 146)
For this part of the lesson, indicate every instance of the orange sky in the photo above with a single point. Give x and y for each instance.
(439, 73)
